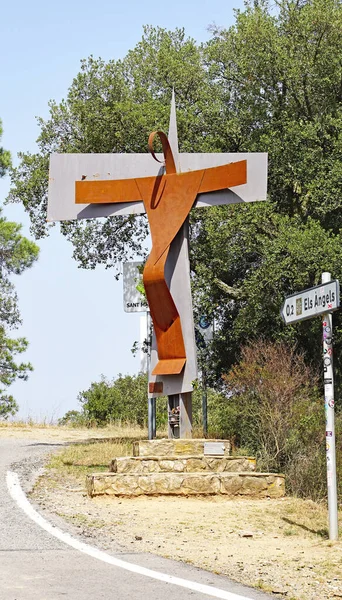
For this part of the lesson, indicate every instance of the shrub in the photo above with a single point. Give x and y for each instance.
(121, 399)
(73, 418)
(275, 409)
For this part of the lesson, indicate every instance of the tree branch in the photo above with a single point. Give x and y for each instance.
(227, 289)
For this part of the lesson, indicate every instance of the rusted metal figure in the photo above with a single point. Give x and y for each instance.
(168, 199)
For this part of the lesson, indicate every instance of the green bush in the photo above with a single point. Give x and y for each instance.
(121, 399)
(73, 418)
(274, 408)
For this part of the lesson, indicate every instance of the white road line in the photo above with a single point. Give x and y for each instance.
(19, 497)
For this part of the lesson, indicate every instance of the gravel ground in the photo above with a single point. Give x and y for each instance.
(213, 534)
(31, 469)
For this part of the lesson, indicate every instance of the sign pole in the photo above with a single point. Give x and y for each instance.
(204, 334)
(322, 300)
(204, 402)
(151, 404)
(330, 419)
(154, 418)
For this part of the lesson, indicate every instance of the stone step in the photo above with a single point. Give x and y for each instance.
(182, 464)
(174, 447)
(250, 485)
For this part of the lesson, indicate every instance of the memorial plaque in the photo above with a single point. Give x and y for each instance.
(213, 449)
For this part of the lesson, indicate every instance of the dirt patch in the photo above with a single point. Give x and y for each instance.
(279, 546)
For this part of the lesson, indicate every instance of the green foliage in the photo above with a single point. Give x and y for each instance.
(278, 78)
(246, 263)
(122, 399)
(278, 75)
(217, 415)
(73, 418)
(8, 406)
(5, 157)
(16, 254)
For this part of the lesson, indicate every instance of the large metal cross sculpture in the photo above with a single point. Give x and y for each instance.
(101, 185)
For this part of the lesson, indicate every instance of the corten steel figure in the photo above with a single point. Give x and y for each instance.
(168, 199)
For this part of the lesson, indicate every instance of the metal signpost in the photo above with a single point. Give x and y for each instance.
(330, 415)
(151, 400)
(135, 301)
(204, 332)
(322, 300)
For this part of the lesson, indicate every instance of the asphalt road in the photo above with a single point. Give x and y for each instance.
(37, 566)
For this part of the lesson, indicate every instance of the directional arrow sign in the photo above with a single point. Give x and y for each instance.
(312, 302)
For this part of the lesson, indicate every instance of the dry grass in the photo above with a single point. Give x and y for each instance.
(124, 431)
(79, 459)
(23, 424)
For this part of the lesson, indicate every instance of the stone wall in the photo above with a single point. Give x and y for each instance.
(174, 447)
(182, 464)
(253, 485)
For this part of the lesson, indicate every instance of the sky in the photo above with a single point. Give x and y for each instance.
(73, 318)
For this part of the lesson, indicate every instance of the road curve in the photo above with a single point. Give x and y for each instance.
(35, 565)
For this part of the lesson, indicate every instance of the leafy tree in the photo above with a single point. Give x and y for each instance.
(278, 76)
(5, 157)
(16, 254)
(246, 265)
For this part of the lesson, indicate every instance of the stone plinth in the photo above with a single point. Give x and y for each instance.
(251, 485)
(182, 464)
(174, 447)
(185, 467)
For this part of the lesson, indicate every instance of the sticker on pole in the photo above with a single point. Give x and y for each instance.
(312, 302)
(204, 331)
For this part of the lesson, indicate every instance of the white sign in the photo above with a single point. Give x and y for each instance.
(213, 449)
(312, 302)
(134, 299)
